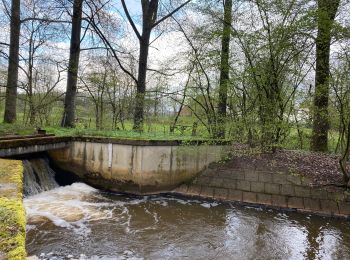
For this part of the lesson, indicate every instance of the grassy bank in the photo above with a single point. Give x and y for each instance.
(157, 132)
(12, 214)
(160, 131)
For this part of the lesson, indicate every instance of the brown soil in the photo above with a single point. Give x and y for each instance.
(321, 169)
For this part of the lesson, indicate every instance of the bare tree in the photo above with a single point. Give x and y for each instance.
(68, 119)
(150, 20)
(12, 74)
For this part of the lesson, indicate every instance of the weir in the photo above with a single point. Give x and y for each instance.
(136, 166)
(14, 146)
(38, 176)
(154, 167)
(132, 166)
(86, 215)
(80, 209)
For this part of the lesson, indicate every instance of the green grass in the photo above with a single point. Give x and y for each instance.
(292, 141)
(152, 132)
(16, 129)
(123, 134)
(12, 214)
(158, 129)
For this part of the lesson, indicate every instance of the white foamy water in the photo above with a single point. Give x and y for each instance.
(76, 205)
(38, 176)
(80, 222)
(68, 207)
(72, 206)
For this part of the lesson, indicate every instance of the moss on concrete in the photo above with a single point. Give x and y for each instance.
(12, 214)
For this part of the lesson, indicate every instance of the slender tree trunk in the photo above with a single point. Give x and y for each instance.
(12, 73)
(141, 80)
(224, 68)
(32, 115)
(68, 119)
(97, 119)
(30, 82)
(172, 127)
(345, 157)
(113, 101)
(327, 10)
(101, 112)
(155, 112)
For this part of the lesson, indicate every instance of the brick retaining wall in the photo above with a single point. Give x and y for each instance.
(269, 188)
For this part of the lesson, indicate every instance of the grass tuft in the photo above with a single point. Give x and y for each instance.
(12, 213)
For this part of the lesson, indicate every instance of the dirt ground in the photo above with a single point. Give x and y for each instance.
(321, 169)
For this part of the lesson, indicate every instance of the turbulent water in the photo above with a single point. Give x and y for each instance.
(79, 222)
(38, 176)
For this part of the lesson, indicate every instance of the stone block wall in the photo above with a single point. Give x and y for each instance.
(269, 188)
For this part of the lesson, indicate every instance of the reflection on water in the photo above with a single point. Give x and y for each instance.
(78, 221)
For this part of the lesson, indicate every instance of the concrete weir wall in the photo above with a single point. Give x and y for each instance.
(136, 167)
(269, 188)
(17, 146)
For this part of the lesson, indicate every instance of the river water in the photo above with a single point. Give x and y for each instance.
(80, 222)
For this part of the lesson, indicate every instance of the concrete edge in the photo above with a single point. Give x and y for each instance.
(149, 142)
(262, 206)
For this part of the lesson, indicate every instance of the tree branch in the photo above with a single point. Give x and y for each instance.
(170, 14)
(130, 20)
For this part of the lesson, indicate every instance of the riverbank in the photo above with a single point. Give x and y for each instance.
(298, 181)
(12, 214)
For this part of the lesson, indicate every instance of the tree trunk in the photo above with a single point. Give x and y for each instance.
(12, 74)
(101, 112)
(149, 21)
(32, 115)
(68, 119)
(30, 82)
(345, 157)
(224, 68)
(327, 10)
(141, 80)
(97, 118)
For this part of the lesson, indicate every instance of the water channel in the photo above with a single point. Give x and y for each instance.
(80, 222)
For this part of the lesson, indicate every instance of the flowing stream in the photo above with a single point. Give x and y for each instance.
(80, 222)
(38, 176)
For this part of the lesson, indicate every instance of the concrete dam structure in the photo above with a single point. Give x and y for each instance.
(22, 145)
(132, 166)
(211, 197)
(136, 166)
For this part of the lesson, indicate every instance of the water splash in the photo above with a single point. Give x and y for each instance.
(67, 207)
(38, 176)
(68, 222)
